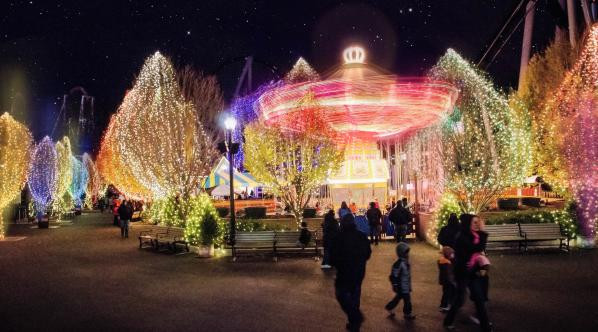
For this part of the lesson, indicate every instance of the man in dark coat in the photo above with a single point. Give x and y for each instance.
(125, 212)
(448, 233)
(400, 217)
(349, 254)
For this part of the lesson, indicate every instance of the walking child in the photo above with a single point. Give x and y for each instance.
(400, 278)
(446, 278)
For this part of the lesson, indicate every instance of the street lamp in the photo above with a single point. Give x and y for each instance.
(230, 123)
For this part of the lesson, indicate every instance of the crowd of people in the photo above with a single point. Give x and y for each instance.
(462, 264)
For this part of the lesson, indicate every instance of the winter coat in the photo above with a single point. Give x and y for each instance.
(304, 236)
(400, 276)
(464, 249)
(374, 215)
(447, 236)
(349, 253)
(125, 212)
(446, 275)
(399, 215)
(331, 229)
(342, 212)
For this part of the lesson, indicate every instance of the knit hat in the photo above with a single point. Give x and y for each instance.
(402, 249)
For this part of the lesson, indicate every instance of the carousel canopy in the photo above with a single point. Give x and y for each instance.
(363, 102)
(220, 176)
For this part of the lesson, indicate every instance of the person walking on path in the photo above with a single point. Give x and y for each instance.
(330, 229)
(125, 212)
(400, 278)
(374, 216)
(446, 277)
(349, 254)
(448, 233)
(400, 217)
(471, 240)
(343, 210)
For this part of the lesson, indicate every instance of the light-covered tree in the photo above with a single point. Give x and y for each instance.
(294, 156)
(94, 182)
(43, 174)
(477, 137)
(62, 198)
(15, 142)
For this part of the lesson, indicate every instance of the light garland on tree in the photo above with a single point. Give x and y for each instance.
(62, 198)
(15, 142)
(94, 183)
(159, 136)
(43, 174)
(478, 159)
(301, 72)
(575, 130)
(114, 170)
(79, 180)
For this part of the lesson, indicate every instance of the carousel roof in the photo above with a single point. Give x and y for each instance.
(362, 101)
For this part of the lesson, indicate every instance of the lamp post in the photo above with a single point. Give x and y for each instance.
(230, 123)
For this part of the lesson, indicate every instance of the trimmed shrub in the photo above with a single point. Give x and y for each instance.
(223, 211)
(255, 212)
(508, 203)
(309, 213)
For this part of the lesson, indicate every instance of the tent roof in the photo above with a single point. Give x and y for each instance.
(220, 176)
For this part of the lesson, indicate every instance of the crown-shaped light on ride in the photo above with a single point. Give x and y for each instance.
(354, 54)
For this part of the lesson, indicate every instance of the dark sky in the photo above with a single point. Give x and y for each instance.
(49, 47)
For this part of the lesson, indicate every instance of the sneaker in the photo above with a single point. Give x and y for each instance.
(409, 317)
(391, 313)
(450, 328)
(325, 266)
(445, 309)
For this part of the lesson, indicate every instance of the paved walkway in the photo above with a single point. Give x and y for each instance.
(84, 277)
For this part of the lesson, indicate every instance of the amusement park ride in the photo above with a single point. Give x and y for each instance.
(365, 105)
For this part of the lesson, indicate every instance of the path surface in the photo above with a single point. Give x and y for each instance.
(84, 277)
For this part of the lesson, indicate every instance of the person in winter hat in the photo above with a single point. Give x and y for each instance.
(400, 278)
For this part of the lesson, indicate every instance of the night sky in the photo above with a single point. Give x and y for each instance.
(49, 47)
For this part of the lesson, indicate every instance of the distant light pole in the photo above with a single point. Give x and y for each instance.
(230, 123)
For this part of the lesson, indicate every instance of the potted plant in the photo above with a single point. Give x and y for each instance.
(209, 232)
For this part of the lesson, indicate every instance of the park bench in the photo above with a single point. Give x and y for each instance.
(507, 233)
(249, 243)
(288, 243)
(150, 233)
(173, 237)
(535, 233)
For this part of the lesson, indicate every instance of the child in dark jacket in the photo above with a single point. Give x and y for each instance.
(400, 278)
(446, 278)
(305, 235)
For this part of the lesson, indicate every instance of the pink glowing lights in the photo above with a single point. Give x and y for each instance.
(366, 106)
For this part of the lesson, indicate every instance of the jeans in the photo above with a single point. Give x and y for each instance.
(124, 228)
(374, 234)
(448, 294)
(459, 299)
(326, 258)
(407, 308)
(349, 298)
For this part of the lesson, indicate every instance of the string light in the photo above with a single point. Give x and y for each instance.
(157, 134)
(575, 127)
(94, 182)
(294, 155)
(15, 141)
(478, 159)
(62, 198)
(79, 180)
(43, 174)
(301, 72)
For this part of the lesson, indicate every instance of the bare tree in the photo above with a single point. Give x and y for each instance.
(205, 94)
